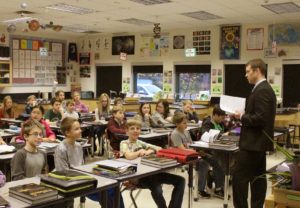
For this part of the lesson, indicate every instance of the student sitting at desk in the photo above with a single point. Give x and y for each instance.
(188, 110)
(31, 102)
(118, 101)
(69, 153)
(214, 159)
(133, 148)
(54, 114)
(70, 110)
(7, 110)
(29, 161)
(162, 114)
(181, 138)
(60, 95)
(116, 125)
(144, 116)
(103, 108)
(79, 106)
(37, 114)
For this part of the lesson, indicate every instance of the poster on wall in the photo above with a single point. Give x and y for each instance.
(178, 42)
(255, 39)
(85, 71)
(230, 42)
(126, 84)
(123, 44)
(201, 42)
(84, 58)
(154, 46)
(167, 84)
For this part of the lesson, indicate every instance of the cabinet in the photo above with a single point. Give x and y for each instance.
(5, 73)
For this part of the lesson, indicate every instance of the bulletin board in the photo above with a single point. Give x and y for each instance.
(30, 68)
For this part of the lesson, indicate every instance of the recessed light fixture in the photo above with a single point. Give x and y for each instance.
(79, 29)
(70, 8)
(151, 2)
(16, 20)
(281, 8)
(135, 21)
(201, 15)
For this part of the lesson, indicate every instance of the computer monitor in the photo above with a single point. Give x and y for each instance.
(214, 100)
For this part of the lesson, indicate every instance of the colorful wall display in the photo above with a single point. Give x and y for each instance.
(29, 67)
(201, 41)
(230, 42)
(154, 46)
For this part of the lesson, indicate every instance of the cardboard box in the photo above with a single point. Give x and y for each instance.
(289, 198)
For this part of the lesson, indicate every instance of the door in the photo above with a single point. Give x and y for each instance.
(108, 78)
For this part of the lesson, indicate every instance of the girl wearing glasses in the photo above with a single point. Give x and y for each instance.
(29, 161)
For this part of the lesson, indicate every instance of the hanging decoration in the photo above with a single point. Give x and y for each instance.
(33, 25)
(156, 30)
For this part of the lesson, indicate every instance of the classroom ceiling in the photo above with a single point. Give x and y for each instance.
(128, 16)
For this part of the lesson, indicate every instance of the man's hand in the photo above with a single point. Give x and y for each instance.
(237, 115)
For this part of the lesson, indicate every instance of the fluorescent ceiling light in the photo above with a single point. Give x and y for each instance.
(16, 20)
(70, 8)
(151, 2)
(201, 15)
(79, 29)
(281, 8)
(135, 21)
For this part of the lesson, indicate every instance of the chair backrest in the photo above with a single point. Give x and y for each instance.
(170, 143)
(112, 94)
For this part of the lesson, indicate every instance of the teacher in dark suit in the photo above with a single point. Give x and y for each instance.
(257, 121)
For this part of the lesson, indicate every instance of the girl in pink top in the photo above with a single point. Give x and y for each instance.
(37, 113)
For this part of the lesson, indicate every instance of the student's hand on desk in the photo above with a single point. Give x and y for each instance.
(226, 133)
(149, 152)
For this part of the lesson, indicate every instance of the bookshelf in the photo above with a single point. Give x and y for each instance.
(5, 73)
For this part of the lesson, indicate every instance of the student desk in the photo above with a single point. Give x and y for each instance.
(103, 184)
(205, 146)
(6, 136)
(142, 171)
(11, 120)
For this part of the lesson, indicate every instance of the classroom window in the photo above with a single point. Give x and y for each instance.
(148, 80)
(190, 79)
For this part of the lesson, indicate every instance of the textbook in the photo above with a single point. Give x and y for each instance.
(32, 193)
(223, 144)
(114, 168)
(69, 182)
(50, 198)
(162, 130)
(3, 203)
(159, 162)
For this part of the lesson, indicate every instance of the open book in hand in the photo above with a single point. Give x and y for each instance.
(210, 136)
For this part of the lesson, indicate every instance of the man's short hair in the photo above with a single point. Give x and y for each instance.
(258, 64)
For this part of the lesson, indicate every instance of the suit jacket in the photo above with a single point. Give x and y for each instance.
(259, 117)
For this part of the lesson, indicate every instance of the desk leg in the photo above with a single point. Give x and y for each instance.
(190, 185)
(117, 196)
(226, 184)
